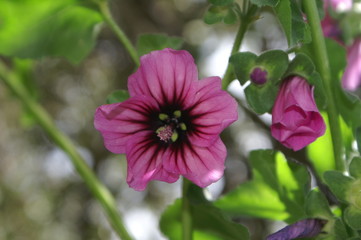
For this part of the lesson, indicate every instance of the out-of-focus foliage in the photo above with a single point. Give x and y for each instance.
(40, 28)
(208, 222)
(150, 42)
(281, 182)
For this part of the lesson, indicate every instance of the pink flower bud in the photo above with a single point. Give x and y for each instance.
(351, 79)
(296, 121)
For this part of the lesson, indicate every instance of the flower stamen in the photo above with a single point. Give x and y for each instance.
(177, 113)
(163, 116)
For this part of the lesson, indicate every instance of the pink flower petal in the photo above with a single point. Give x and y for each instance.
(118, 122)
(145, 161)
(201, 165)
(167, 76)
(213, 111)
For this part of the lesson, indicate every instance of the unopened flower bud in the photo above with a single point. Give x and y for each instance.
(296, 121)
(258, 76)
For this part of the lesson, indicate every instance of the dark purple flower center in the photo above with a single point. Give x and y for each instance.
(171, 126)
(258, 76)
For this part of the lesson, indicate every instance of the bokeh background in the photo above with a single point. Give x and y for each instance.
(41, 195)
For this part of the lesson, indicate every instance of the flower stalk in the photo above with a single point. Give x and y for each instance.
(322, 65)
(104, 10)
(187, 228)
(100, 192)
(245, 21)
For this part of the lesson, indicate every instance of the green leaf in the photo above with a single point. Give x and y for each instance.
(358, 139)
(275, 192)
(319, 151)
(353, 217)
(340, 230)
(291, 19)
(355, 167)
(261, 3)
(39, 28)
(225, 13)
(249, 200)
(150, 42)
(117, 96)
(338, 183)
(316, 205)
(208, 223)
(243, 64)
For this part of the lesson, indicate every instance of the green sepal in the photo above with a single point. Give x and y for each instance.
(301, 65)
(151, 42)
(261, 100)
(117, 96)
(243, 63)
(338, 183)
(316, 205)
(260, 97)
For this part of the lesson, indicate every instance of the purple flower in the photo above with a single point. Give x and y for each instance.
(296, 121)
(302, 229)
(351, 78)
(171, 123)
(331, 29)
(330, 26)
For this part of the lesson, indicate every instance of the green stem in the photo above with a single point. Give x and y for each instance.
(242, 29)
(43, 118)
(187, 230)
(322, 65)
(104, 10)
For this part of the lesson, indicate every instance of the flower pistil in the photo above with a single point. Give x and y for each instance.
(170, 126)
